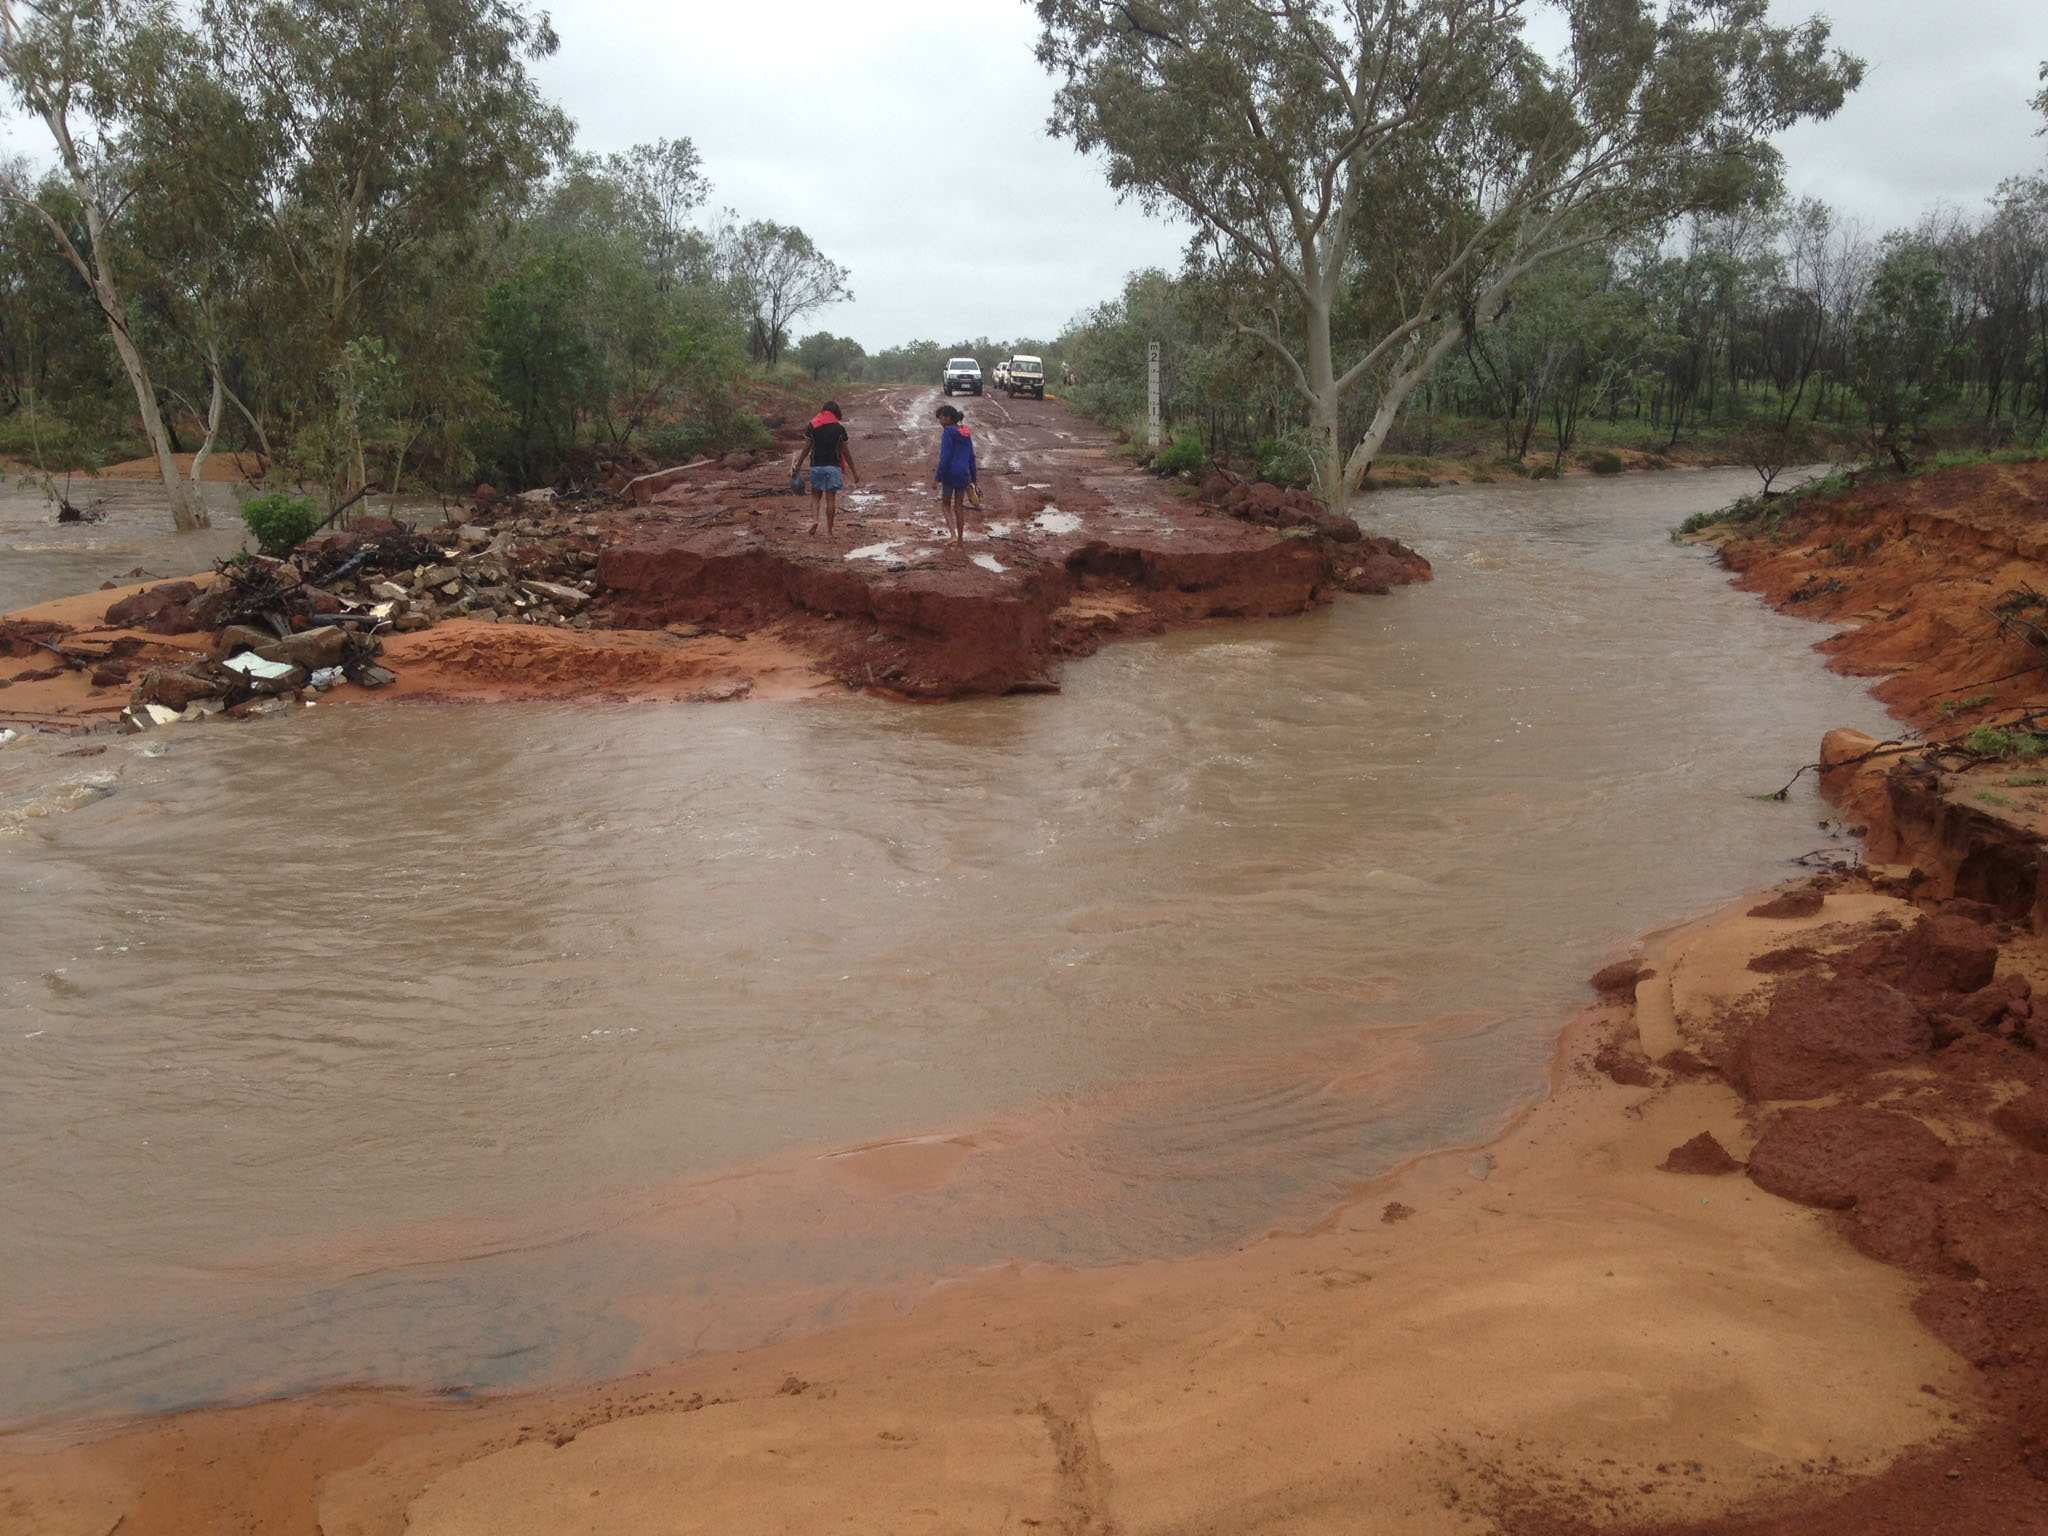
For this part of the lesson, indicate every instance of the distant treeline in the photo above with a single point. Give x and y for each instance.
(1791, 322)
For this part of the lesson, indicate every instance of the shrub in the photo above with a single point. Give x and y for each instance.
(1284, 461)
(2000, 742)
(280, 521)
(1181, 456)
(1543, 472)
(678, 442)
(1606, 464)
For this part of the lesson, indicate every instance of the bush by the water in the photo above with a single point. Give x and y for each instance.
(1606, 464)
(280, 521)
(680, 442)
(2005, 742)
(1182, 456)
(1284, 461)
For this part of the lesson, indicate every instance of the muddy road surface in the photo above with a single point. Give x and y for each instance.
(1073, 545)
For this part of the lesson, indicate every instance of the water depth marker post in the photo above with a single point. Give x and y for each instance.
(1152, 394)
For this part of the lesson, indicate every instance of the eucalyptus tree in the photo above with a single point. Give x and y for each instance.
(1421, 155)
(379, 143)
(1905, 340)
(780, 276)
(824, 355)
(71, 65)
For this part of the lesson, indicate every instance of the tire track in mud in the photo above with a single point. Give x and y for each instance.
(1083, 1474)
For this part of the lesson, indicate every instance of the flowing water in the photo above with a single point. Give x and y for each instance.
(479, 1046)
(127, 539)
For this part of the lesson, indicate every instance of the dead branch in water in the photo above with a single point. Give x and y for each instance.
(1953, 747)
(1882, 749)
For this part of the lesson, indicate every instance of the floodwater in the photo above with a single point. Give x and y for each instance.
(128, 538)
(471, 1047)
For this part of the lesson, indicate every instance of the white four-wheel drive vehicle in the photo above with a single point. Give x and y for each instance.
(1023, 376)
(963, 374)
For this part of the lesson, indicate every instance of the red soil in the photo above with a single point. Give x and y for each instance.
(1072, 548)
(1923, 1131)
(1703, 1154)
(1913, 569)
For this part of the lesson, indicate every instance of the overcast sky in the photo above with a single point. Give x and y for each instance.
(908, 138)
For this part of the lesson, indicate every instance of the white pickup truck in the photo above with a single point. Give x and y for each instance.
(962, 376)
(1023, 376)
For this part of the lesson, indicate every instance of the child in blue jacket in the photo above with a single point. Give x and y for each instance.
(957, 470)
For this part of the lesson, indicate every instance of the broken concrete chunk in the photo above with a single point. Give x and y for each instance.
(569, 599)
(240, 637)
(323, 647)
(176, 690)
(249, 664)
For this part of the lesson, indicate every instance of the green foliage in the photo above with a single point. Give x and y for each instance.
(46, 441)
(1181, 456)
(1606, 464)
(1950, 708)
(1903, 345)
(2005, 743)
(547, 366)
(1365, 257)
(779, 276)
(1764, 514)
(280, 521)
(1284, 461)
(825, 356)
(679, 442)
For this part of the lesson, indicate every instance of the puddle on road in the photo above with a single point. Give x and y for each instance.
(1052, 520)
(885, 553)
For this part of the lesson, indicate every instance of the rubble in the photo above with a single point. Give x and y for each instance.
(314, 619)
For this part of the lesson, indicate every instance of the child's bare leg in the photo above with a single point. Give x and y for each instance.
(831, 511)
(817, 505)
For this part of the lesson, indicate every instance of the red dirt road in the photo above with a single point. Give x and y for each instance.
(1072, 545)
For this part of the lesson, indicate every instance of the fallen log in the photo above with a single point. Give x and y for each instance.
(643, 488)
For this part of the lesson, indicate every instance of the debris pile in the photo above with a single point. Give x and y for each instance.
(316, 618)
(522, 572)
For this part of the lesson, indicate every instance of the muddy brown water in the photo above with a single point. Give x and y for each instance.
(471, 1047)
(42, 560)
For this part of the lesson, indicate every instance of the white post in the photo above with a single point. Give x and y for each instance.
(1152, 394)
